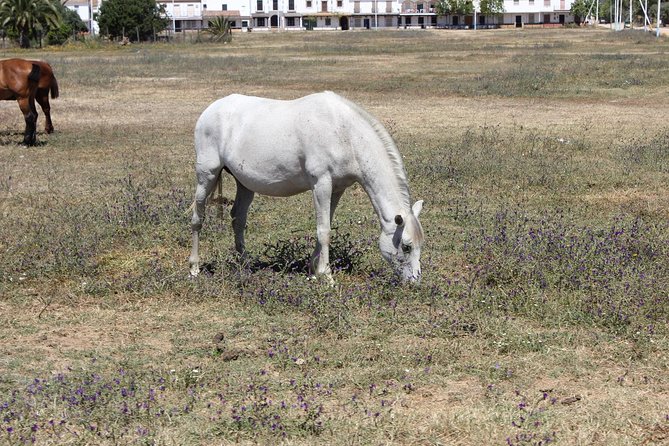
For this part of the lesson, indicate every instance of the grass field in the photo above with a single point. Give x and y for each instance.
(543, 160)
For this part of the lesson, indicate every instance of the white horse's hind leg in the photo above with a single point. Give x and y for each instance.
(206, 181)
(320, 260)
(239, 212)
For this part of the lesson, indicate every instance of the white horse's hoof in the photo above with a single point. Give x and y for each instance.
(326, 277)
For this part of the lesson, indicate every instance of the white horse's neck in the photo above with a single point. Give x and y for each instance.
(383, 175)
(388, 192)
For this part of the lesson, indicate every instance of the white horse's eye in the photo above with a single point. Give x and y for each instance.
(406, 249)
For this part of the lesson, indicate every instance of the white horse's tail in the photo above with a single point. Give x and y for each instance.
(213, 197)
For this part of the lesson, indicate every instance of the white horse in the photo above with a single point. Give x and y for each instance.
(323, 143)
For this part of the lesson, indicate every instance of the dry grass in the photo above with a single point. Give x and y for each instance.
(562, 130)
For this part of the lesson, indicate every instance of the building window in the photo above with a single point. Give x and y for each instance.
(290, 21)
(340, 3)
(224, 7)
(308, 3)
(291, 5)
(547, 3)
(516, 2)
(261, 21)
(259, 5)
(356, 6)
(419, 7)
(275, 5)
(324, 6)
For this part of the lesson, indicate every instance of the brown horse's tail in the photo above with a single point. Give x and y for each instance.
(54, 87)
(34, 73)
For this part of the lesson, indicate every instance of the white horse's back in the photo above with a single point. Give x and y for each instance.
(278, 147)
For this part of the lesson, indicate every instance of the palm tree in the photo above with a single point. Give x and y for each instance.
(28, 16)
(220, 30)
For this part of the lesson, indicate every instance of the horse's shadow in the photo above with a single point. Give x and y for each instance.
(15, 138)
(9, 137)
(290, 257)
(254, 264)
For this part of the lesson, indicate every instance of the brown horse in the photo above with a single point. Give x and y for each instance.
(19, 80)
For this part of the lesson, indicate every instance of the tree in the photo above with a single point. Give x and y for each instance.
(454, 7)
(25, 18)
(664, 13)
(462, 7)
(579, 9)
(492, 7)
(71, 24)
(220, 30)
(132, 18)
(442, 7)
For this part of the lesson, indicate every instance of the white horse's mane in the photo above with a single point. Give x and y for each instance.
(391, 150)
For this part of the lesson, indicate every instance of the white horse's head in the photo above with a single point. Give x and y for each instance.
(401, 248)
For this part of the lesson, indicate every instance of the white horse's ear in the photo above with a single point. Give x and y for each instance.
(399, 221)
(417, 207)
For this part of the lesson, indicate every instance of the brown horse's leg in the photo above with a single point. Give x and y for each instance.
(27, 106)
(42, 98)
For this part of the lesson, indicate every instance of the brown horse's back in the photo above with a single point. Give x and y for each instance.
(13, 76)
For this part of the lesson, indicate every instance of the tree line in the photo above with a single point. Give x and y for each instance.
(32, 22)
(581, 8)
(28, 21)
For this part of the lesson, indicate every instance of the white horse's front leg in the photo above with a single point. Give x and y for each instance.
(320, 260)
(196, 226)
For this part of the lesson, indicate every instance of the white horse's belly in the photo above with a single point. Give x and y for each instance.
(273, 177)
(274, 188)
(281, 167)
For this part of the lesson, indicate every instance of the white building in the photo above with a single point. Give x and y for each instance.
(260, 15)
(534, 12)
